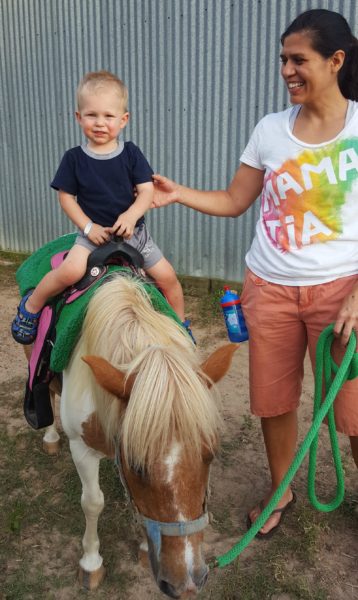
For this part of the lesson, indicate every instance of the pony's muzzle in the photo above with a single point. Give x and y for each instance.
(191, 589)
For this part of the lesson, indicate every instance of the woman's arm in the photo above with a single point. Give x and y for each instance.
(241, 193)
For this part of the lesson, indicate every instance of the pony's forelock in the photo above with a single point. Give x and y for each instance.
(178, 406)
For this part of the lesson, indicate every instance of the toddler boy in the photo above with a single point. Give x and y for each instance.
(95, 184)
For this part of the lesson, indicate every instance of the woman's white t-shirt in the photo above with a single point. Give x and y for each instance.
(307, 232)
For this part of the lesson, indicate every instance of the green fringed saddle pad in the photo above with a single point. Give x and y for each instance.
(69, 324)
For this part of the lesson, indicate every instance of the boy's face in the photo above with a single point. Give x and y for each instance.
(101, 117)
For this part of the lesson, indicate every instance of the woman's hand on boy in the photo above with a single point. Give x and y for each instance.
(165, 191)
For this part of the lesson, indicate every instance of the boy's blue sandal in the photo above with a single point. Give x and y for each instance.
(186, 325)
(24, 326)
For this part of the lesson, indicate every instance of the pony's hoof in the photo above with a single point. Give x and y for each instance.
(91, 579)
(51, 447)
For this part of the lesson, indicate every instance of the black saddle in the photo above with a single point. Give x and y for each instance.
(114, 250)
(113, 253)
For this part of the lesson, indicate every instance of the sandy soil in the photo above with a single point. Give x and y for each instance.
(239, 477)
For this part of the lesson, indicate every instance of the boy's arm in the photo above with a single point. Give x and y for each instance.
(126, 221)
(97, 234)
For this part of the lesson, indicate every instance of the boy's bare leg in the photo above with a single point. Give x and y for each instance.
(164, 275)
(354, 446)
(280, 436)
(54, 282)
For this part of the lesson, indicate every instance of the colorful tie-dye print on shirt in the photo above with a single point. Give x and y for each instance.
(302, 201)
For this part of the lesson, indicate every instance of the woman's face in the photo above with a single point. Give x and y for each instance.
(310, 78)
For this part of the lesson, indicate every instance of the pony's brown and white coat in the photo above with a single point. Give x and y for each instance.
(140, 386)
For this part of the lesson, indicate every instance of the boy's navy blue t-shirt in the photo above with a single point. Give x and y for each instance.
(103, 184)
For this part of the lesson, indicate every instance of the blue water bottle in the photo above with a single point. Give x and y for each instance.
(234, 319)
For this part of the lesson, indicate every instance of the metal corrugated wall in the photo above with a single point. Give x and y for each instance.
(200, 74)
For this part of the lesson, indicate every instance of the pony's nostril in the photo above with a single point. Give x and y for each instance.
(168, 589)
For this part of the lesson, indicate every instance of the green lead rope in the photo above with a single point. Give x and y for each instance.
(325, 370)
(348, 369)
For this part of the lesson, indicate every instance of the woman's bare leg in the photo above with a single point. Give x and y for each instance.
(280, 436)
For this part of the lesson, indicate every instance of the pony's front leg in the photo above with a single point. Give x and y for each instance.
(87, 460)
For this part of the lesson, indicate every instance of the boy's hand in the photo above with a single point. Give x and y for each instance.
(124, 225)
(165, 191)
(99, 235)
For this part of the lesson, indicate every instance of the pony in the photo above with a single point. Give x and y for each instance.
(134, 391)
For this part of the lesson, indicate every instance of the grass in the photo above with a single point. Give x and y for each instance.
(12, 258)
(261, 580)
(40, 499)
(9, 263)
(277, 569)
(41, 494)
(230, 447)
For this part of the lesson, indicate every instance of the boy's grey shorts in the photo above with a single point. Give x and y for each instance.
(141, 240)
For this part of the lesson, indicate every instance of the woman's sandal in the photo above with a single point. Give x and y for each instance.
(24, 326)
(280, 511)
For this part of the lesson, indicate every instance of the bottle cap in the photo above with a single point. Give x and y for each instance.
(229, 298)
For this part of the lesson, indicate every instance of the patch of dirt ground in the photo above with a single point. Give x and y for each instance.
(313, 556)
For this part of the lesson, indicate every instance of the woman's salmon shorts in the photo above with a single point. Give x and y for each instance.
(283, 321)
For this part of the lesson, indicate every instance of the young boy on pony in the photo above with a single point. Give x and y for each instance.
(95, 184)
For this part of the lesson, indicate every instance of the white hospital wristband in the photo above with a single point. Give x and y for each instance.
(87, 228)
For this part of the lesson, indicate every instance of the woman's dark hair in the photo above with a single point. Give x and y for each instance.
(329, 32)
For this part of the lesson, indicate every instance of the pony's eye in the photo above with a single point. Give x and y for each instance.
(208, 458)
(139, 471)
(208, 454)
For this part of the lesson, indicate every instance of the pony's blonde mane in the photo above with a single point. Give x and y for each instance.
(169, 399)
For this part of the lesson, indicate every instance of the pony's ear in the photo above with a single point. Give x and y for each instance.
(218, 363)
(110, 378)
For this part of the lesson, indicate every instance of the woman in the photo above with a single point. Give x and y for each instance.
(303, 262)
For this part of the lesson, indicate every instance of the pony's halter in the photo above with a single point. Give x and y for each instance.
(155, 529)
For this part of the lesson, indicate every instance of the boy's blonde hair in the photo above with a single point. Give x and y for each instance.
(94, 81)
